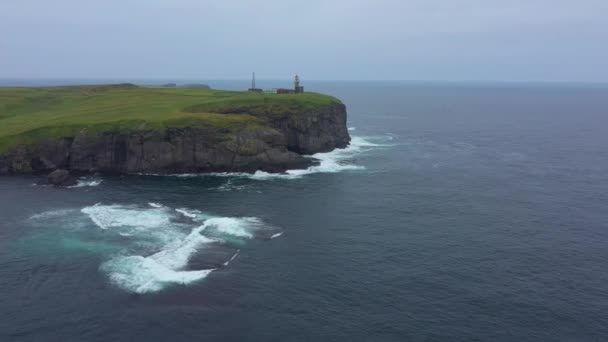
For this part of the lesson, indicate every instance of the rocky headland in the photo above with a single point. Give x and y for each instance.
(127, 130)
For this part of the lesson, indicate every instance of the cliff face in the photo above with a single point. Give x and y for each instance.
(320, 130)
(274, 146)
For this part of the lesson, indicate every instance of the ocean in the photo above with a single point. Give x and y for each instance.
(460, 212)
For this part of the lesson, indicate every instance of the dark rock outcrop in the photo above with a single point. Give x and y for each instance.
(321, 130)
(275, 146)
(61, 178)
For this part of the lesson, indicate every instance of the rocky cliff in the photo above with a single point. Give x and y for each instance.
(276, 143)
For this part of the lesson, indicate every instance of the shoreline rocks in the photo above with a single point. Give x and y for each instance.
(61, 177)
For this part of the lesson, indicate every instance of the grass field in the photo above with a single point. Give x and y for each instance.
(29, 114)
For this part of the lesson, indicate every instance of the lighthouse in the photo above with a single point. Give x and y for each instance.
(297, 87)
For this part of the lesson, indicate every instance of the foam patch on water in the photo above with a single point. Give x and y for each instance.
(51, 214)
(84, 182)
(187, 213)
(113, 216)
(143, 275)
(390, 136)
(169, 243)
(230, 186)
(243, 227)
(232, 258)
(193, 214)
(274, 236)
(177, 253)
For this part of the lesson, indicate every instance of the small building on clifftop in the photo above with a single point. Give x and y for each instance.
(297, 88)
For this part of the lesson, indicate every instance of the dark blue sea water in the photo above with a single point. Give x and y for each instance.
(460, 213)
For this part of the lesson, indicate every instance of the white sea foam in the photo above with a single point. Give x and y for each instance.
(155, 228)
(112, 216)
(195, 215)
(80, 183)
(138, 273)
(51, 214)
(243, 227)
(390, 136)
(142, 275)
(87, 182)
(276, 235)
(230, 186)
(187, 213)
(352, 128)
(232, 258)
(176, 254)
(153, 245)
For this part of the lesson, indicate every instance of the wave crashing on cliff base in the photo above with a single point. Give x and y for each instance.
(337, 160)
(85, 182)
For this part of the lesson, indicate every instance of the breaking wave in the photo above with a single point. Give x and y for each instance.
(157, 242)
(337, 160)
(244, 227)
(82, 182)
(143, 275)
(140, 274)
(185, 212)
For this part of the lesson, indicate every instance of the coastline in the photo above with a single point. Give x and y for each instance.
(217, 131)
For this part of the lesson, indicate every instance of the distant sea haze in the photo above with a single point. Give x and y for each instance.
(287, 82)
(460, 212)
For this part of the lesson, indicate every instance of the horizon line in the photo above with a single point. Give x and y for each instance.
(164, 79)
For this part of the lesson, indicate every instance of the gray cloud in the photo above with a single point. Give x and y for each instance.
(513, 40)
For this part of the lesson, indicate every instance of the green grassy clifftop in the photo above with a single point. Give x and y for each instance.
(30, 114)
(124, 128)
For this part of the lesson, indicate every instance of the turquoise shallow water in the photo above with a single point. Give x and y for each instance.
(461, 212)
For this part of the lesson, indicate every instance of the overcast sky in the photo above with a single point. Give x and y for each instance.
(454, 40)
